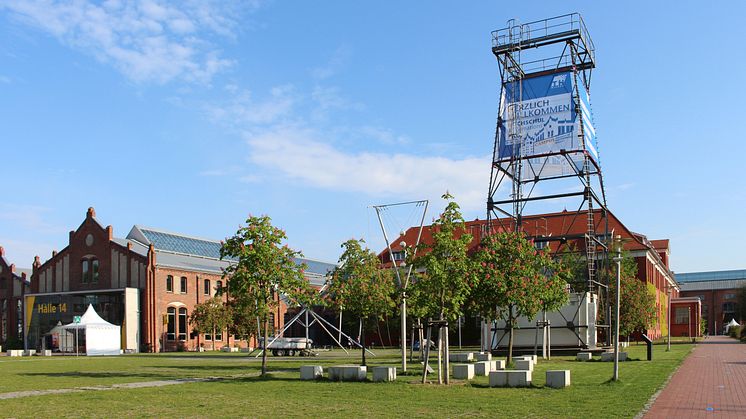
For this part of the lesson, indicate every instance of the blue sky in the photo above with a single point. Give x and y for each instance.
(189, 116)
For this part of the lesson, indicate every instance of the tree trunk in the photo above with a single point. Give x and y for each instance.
(446, 355)
(510, 336)
(426, 356)
(266, 345)
(440, 355)
(362, 338)
(213, 339)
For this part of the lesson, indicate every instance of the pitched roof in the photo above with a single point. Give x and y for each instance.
(712, 285)
(191, 253)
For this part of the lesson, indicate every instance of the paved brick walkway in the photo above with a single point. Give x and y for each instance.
(711, 382)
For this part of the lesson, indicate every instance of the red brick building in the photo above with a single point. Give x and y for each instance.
(718, 292)
(148, 282)
(566, 231)
(686, 313)
(14, 283)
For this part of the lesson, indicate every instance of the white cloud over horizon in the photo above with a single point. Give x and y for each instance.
(146, 40)
(299, 153)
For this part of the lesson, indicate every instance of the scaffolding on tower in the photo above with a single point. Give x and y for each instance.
(545, 152)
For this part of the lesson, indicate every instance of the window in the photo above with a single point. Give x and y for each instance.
(218, 286)
(682, 315)
(218, 335)
(729, 308)
(171, 328)
(271, 323)
(730, 296)
(85, 269)
(207, 287)
(4, 321)
(169, 283)
(183, 285)
(399, 256)
(182, 323)
(208, 336)
(19, 319)
(89, 270)
(94, 270)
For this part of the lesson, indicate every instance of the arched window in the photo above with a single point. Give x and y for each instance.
(89, 270)
(182, 323)
(171, 327)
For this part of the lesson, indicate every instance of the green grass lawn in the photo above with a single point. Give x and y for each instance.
(591, 395)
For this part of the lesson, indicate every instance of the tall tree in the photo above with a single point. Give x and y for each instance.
(209, 317)
(514, 280)
(262, 268)
(442, 283)
(360, 287)
(637, 310)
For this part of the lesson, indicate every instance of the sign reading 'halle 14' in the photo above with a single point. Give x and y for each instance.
(49, 308)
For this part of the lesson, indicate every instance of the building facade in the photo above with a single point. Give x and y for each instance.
(564, 233)
(14, 283)
(148, 282)
(718, 291)
(686, 314)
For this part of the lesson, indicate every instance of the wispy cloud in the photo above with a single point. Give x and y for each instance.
(335, 64)
(146, 40)
(243, 109)
(300, 154)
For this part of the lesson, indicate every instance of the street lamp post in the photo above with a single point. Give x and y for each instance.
(668, 341)
(618, 260)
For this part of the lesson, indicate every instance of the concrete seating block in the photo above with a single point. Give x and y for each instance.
(510, 378)
(29, 352)
(348, 373)
(558, 378)
(483, 368)
(609, 356)
(45, 352)
(499, 364)
(531, 358)
(463, 371)
(483, 356)
(584, 356)
(311, 372)
(524, 365)
(228, 349)
(15, 352)
(384, 374)
(461, 357)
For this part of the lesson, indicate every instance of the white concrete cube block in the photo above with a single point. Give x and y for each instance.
(510, 378)
(29, 352)
(483, 356)
(483, 368)
(384, 374)
(499, 364)
(609, 356)
(335, 373)
(348, 373)
(524, 365)
(45, 352)
(558, 378)
(15, 352)
(584, 356)
(531, 358)
(311, 372)
(463, 371)
(461, 357)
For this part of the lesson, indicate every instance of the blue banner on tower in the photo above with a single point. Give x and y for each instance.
(540, 118)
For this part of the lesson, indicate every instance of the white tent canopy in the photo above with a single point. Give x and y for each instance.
(733, 323)
(102, 337)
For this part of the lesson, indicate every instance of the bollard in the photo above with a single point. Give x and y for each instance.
(650, 346)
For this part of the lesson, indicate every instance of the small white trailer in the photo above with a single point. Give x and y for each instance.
(288, 346)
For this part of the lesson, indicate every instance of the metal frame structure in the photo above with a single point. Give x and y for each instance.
(559, 44)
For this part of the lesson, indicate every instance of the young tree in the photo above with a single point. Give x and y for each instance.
(210, 316)
(637, 303)
(442, 284)
(514, 280)
(262, 269)
(360, 286)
